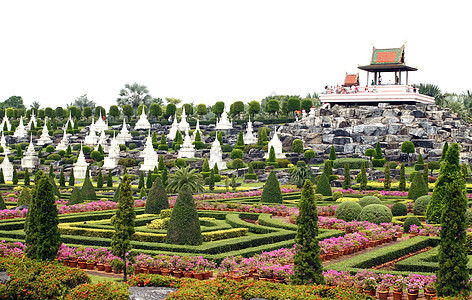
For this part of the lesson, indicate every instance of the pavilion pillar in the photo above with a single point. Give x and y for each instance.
(367, 79)
(406, 77)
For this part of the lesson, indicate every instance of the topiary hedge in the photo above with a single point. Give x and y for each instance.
(271, 192)
(410, 221)
(376, 213)
(367, 200)
(421, 204)
(354, 163)
(348, 211)
(399, 209)
(323, 187)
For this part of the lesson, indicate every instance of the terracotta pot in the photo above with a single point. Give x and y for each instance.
(237, 278)
(412, 235)
(199, 275)
(429, 295)
(335, 255)
(165, 272)
(271, 280)
(255, 276)
(412, 296)
(73, 263)
(100, 267)
(108, 269)
(399, 235)
(65, 262)
(82, 264)
(263, 278)
(90, 266)
(178, 274)
(155, 270)
(383, 295)
(328, 256)
(207, 275)
(144, 270)
(346, 251)
(188, 274)
(279, 280)
(370, 292)
(397, 295)
(137, 270)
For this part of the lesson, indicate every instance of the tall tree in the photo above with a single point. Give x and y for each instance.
(82, 102)
(124, 224)
(109, 179)
(306, 261)
(182, 176)
(134, 95)
(157, 198)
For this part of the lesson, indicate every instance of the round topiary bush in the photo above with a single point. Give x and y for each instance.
(376, 213)
(337, 195)
(410, 221)
(367, 200)
(348, 211)
(54, 156)
(420, 205)
(399, 209)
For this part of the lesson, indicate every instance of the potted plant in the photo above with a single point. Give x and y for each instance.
(414, 283)
(117, 265)
(429, 288)
(384, 285)
(369, 285)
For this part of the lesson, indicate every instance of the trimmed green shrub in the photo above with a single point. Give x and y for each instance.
(332, 153)
(323, 187)
(410, 221)
(55, 157)
(25, 197)
(347, 176)
(75, 197)
(87, 190)
(376, 213)
(236, 153)
(250, 173)
(418, 187)
(379, 162)
(420, 163)
(399, 209)
(258, 164)
(421, 204)
(337, 195)
(392, 165)
(362, 178)
(282, 162)
(127, 162)
(367, 200)
(271, 192)
(412, 176)
(180, 163)
(157, 198)
(401, 181)
(2, 203)
(348, 211)
(184, 226)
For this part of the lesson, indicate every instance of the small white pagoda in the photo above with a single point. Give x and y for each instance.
(80, 167)
(143, 123)
(4, 145)
(183, 125)
(21, 130)
(44, 138)
(111, 161)
(277, 144)
(101, 125)
(249, 137)
(32, 120)
(7, 168)
(223, 123)
(150, 156)
(187, 150)
(102, 140)
(197, 128)
(216, 155)
(5, 120)
(173, 129)
(91, 139)
(70, 120)
(148, 148)
(92, 125)
(124, 134)
(30, 158)
(63, 143)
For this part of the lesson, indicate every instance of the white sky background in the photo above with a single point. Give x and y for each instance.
(208, 51)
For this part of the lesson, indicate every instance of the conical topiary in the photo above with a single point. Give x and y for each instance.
(402, 181)
(15, 176)
(323, 187)
(141, 180)
(62, 178)
(2, 203)
(88, 192)
(25, 197)
(54, 187)
(2, 179)
(149, 180)
(75, 197)
(142, 193)
(347, 177)
(184, 226)
(332, 153)
(157, 198)
(418, 187)
(109, 179)
(271, 192)
(100, 179)
(71, 178)
(116, 196)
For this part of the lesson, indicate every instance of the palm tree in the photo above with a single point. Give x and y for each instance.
(301, 174)
(134, 95)
(35, 105)
(183, 176)
(83, 102)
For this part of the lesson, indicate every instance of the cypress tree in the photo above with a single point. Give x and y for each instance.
(42, 233)
(402, 182)
(109, 179)
(444, 151)
(155, 170)
(100, 149)
(51, 172)
(157, 198)
(233, 182)
(15, 176)
(100, 179)
(142, 193)
(19, 152)
(27, 179)
(40, 153)
(378, 151)
(54, 187)
(141, 180)
(62, 178)
(271, 192)
(205, 168)
(464, 171)
(87, 190)
(453, 274)
(271, 158)
(418, 187)
(25, 197)
(240, 142)
(2, 203)
(449, 167)
(332, 153)
(71, 177)
(347, 177)
(2, 179)
(161, 165)
(328, 168)
(68, 151)
(75, 197)
(163, 143)
(211, 184)
(149, 180)
(425, 174)
(363, 183)
(124, 224)
(198, 137)
(216, 171)
(154, 138)
(164, 177)
(306, 261)
(388, 179)
(323, 186)
(116, 195)
(262, 137)
(184, 226)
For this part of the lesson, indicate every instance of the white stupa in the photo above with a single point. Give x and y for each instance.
(111, 161)
(103, 141)
(63, 143)
(148, 148)
(92, 125)
(184, 125)
(143, 123)
(187, 149)
(224, 123)
(91, 139)
(21, 130)
(197, 128)
(4, 145)
(150, 156)
(80, 167)
(124, 135)
(32, 120)
(7, 168)
(101, 125)
(216, 156)
(249, 137)
(5, 120)
(173, 129)
(30, 158)
(277, 144)
(69, 121)
(44, 138)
